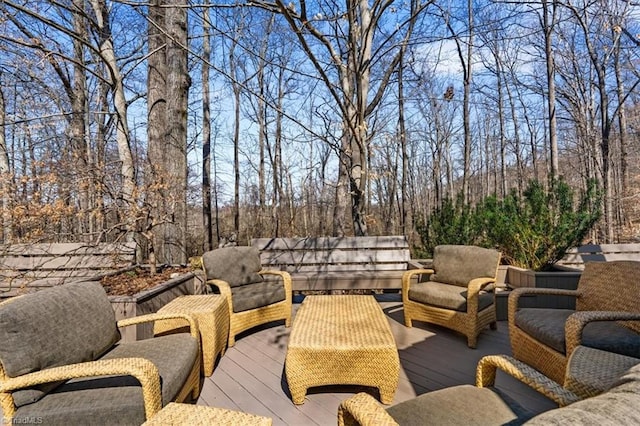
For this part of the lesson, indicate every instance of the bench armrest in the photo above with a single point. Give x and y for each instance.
(513, 302)
(408, 276)
(363, 409)
(142, 369)
(578, 320)
(486, 377)
(142, 319)
(286, 278)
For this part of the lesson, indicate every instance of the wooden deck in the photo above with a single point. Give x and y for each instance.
(250, 376)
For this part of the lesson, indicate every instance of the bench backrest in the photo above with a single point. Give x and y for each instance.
(334, 254)
(49, 264)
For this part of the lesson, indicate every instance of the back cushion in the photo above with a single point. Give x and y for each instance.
(236, 265)
(63, 325)
(457, 264)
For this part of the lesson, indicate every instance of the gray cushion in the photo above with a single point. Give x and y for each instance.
(63, 325)
(458, 265)
(235, 265)
(618, 406)
(463, 405)
(117, 400)
(547, 326)
(257, 295)
(446, 296)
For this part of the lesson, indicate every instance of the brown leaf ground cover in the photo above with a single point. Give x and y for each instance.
(139, 279)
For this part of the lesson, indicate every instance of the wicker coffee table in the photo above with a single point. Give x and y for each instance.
(212, 315)
(341, 340)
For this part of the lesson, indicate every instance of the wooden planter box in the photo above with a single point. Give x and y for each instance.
(513, 277)
(149, 301)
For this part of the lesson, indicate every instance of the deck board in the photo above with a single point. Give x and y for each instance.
(250, 376)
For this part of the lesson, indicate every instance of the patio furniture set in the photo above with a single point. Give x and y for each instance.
(61, 359)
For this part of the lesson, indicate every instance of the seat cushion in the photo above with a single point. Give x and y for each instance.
(547, 326)
(446, 296)
(117, 400)
(252, 296)
(457, 265)
(235, 265)
(459, 405)
(63, 325)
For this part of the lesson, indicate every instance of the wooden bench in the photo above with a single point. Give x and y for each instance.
(577, 256)
(338, 263)
(29, 267)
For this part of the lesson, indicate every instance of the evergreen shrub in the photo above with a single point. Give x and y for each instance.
(532, 231)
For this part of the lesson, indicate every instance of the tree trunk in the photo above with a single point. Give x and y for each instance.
(122, 127)
(156, 124)
(177, 89)
(206, 132)
(79, 148)
(6, 179)
(168, 84)
(549, 24)
(466, 108)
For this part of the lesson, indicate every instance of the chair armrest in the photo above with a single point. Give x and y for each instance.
(363, 409)
(286, 278)
(142, 319)
(486, 377)
(576, 322)
(473, 291)
(406, 279)
(514, 298)
(142, 369)
(225, 290)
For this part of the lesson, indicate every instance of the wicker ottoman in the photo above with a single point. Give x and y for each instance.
(185, 414)
(341, 340)
(212, 315)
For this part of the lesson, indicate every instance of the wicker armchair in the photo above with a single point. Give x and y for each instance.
(255, 296)
(467, 405)
(456, 294)
(607, 294)
(458, 405)
(61, 361)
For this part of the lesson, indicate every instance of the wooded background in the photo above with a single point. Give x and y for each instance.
(185, 125)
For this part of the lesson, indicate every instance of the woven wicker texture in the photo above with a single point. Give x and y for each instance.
(212, 315)
(241, 321)
(341, 340)
(363, 410)
(470, 323)
(604, 287)
(142, 369)
(191, 388)
(486, 377)
(185, 414)
(592, 371)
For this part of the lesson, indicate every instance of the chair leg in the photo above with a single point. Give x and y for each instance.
(472, 341)
(407, 321)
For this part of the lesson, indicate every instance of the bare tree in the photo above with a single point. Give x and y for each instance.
(6, 180)
(206, 130)
(168, 81)
(351, 53)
